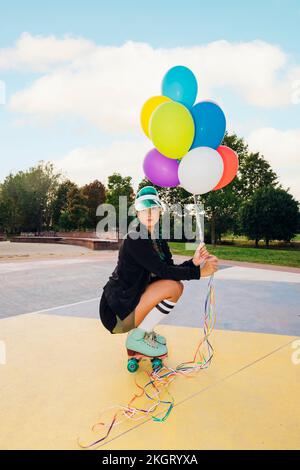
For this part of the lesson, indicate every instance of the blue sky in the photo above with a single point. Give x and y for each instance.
(30, 132)
(167, 24)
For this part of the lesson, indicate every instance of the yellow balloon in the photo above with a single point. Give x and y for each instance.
(172, 129)
(148, 108)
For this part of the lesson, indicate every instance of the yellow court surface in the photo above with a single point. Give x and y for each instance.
(56, 382)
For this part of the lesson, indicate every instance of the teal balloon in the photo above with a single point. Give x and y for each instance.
(210, 124)
(180, 84)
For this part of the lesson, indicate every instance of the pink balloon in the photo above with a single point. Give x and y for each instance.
(231, 165)
(161, 170)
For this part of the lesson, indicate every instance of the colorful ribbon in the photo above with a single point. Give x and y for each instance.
(160, 380)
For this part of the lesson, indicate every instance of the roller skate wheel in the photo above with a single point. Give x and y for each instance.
(132, 365)
(156, 363)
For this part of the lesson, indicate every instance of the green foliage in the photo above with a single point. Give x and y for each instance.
(283, 257)
(94, 194)
(270, 214)
(76, 214)
(26, 198)
(120, 186)
(253, 204)
(254, 173)
(75, 208)
(60, 202)
(222, 206)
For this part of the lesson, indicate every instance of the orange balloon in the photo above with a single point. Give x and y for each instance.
(231, 165)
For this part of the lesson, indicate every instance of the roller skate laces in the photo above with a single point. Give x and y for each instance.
(150, 338)
(158, 338)
(156, 389)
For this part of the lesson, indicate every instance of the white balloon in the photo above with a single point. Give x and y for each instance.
(200, 170)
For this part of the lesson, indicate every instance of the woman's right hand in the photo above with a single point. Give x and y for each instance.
(210, 266)
(200, 255)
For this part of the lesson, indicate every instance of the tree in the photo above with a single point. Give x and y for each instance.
(11, 210)
(94, 194)
(254, 173)
(26, 198)
(222, 206)
(60, 201)
(119, 186)
(75, 216)
(221, 209)
(270, 214)
(4, 212)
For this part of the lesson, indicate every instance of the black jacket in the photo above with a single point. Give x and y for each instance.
(137, 260)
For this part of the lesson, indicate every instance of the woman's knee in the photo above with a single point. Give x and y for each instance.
(180, 287)
(175, 288)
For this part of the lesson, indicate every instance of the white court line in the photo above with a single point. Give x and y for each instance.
(61, 306)
(41, 264)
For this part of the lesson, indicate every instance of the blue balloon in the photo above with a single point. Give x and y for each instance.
(210, 124)
(180, 85)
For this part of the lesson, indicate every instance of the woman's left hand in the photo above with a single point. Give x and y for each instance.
(200, 255)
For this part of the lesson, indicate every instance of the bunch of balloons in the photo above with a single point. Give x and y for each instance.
(186, 137)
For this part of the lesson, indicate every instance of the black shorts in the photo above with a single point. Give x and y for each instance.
(107, 316)
(111, 321)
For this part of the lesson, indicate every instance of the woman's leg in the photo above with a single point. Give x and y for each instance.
(164, 289)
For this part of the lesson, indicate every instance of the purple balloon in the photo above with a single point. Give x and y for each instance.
(161, 170)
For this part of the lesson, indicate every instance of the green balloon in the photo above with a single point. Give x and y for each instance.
(172, 129)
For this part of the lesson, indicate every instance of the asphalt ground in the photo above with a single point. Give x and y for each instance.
(68, 280)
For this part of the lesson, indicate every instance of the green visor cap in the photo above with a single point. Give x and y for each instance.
(147, 197)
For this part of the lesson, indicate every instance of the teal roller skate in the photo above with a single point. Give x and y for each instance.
(159, 338)
(141, 344)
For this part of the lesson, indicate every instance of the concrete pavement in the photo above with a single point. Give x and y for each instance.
(62, 367)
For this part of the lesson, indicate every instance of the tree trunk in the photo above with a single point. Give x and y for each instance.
(256, 242)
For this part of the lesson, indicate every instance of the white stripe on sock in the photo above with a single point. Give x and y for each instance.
(170, 302)
(166, 305)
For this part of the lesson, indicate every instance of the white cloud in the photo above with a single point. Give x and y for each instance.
(107, 85)
(83, 165)
(40, 53)
(282, 150)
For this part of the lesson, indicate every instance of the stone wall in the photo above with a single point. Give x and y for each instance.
(73, 234)
(91, 243)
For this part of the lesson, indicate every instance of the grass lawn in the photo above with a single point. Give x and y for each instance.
(282, 257)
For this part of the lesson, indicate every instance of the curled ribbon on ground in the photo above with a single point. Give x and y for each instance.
(159, 381)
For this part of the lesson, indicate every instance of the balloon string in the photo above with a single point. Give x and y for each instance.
(198, 221)
(156, 389)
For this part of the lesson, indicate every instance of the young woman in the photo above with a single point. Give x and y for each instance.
(146, 284)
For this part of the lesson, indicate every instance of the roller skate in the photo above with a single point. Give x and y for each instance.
(141, 344)
(159, 338)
